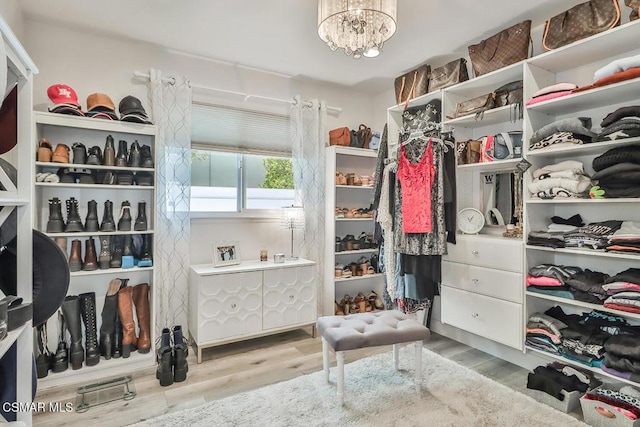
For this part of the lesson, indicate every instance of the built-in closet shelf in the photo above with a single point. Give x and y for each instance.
(580, 201)
(588, 252)
(586, 51)
(351, 151)
(420, 100)
(573, 362)
(626, 91)
(10, 201)
(11, 337)
(104, 186)
(357, 252)
(109, 271)
(354, 219)
(487, 83)
(98, 167)
(498, 165)
(583, 304)
(97, 233)
(367, 187)
(580, 150)
(113, 366)
(364, 277)
(490, 117)
(78, 122)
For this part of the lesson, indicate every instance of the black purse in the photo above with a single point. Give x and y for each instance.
(357, 141)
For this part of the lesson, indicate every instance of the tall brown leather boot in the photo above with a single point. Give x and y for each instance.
(90, 257)
(141, 300)
(75, 257)
(125, 310)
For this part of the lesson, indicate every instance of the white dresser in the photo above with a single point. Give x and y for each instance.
(482, 285)
(249, 300)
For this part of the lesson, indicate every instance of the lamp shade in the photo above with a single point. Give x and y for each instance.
(292, 218)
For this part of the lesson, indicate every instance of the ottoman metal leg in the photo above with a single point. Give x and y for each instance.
(418, 345)
(340, 357)
(325, 359)
(396, 362)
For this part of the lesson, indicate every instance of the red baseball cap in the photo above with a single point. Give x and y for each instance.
(63, 94)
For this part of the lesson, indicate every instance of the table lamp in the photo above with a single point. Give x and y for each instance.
(292, 219)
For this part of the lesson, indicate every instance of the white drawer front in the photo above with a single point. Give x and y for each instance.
(502, 254)
(229, 305)
(289, 297)
(497, 320)
(494, 283)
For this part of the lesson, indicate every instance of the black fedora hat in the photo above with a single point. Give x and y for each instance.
(50, 267)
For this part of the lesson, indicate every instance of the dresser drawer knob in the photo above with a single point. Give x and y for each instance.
(233, 306)
(474, 252)
(474, 315)
(290, 296)
(475, 280)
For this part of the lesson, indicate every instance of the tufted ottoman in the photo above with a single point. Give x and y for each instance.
(362, 330)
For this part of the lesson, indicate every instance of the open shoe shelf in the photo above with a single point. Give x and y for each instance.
(97, 167)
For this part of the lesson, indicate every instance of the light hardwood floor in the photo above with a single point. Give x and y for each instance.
(243, 366)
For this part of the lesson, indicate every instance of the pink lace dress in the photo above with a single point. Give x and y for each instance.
(416, 180)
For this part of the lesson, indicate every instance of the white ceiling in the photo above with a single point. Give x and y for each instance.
(280, 35)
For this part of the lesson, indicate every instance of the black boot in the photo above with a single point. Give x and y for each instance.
(108, 223)
(127, 252)
(146, 159)
(105, 252)
(134, 155)
(109, 318)
(141, 220)
(79, 153)
(61, 359)
(124, 223)
(41, 352)
(71, 311)
(74, 222)
(95, 156)
(165, 360)
(180, 352)
(109, 152)
(91, 223)
(121, 158)
(88, 310)
(55, 223)
(146, 259)
(116, 251)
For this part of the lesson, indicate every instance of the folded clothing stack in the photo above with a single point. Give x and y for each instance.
(626, 239)
(564, 132)
(551, 92)
(625, 401)
(622, 123)
(616, 71)
(544, 332)
(624, 291)
(595, 235)
(565, 179)
(622, 356)
(552, 380)
(551, 279)
(617, 173)
(554, 236)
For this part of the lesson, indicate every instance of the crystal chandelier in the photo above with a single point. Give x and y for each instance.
(360, 27)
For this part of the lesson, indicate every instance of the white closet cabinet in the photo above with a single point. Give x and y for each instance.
(249, 300)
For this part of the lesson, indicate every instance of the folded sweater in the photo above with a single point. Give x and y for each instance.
(576, 125)
(622, 112)
(617, 66)
(568, 165)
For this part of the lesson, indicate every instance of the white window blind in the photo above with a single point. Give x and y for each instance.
(239, 130)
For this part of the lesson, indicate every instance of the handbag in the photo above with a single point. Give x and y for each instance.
(579, 22)
(449, 74)
(412, 84)
(474, 147)
(507, 145)
(355, 142)
(505, 48)
(487, 149)
(510, 94)
(474, 106)
(635, 9)
(363, 136)
(340, 136)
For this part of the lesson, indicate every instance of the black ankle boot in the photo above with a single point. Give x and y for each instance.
(121, 158)
(134, 155)
(74, 222)
(61, 358)
(127, 252)
(55, 223)
(141, 220)
(146, 159)
(109, 318)
(87, 303)
(109, 152)
(145, 259)
(124, 223)
(116, 251)
(95, 156)
(104, 257)
(41, 351)
(91, 223)
(79, 153)
(164, 357)
(108, 223)
(71, 311)
(180, 352)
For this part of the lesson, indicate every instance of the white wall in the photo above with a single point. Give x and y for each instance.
(12, 14)
(100, 63)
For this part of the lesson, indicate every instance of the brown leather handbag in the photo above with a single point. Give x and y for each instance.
(635, 9)
(449, 74)
(340, 136)
(505, 48)
(579, 22)
(468, 152)
(475, 105)
(412, 84)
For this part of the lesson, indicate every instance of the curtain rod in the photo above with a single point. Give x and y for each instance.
(231, 92)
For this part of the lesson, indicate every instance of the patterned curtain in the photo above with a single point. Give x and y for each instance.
(308, 137)
(171, 107)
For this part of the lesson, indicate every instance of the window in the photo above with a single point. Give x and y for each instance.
(240, 160)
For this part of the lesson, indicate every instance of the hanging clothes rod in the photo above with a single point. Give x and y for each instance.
(246, 96)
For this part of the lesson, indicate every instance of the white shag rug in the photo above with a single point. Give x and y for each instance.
(377, 395)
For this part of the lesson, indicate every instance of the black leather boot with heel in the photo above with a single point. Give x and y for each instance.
(91, 223)
(88, 310)
(41, 351)
(180, 352)
(109, 318)
(164, 372)
(61, 358)
(108, 223)
(55, 224)
(71, 311)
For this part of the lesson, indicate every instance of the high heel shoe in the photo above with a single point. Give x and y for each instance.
(345, 303)
(363, 303)
(375, 301)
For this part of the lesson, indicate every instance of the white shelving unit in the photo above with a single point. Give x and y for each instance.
(361, 162)
(59, 128)
(20, 71)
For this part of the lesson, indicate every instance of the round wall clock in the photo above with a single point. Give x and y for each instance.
(470, 221)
